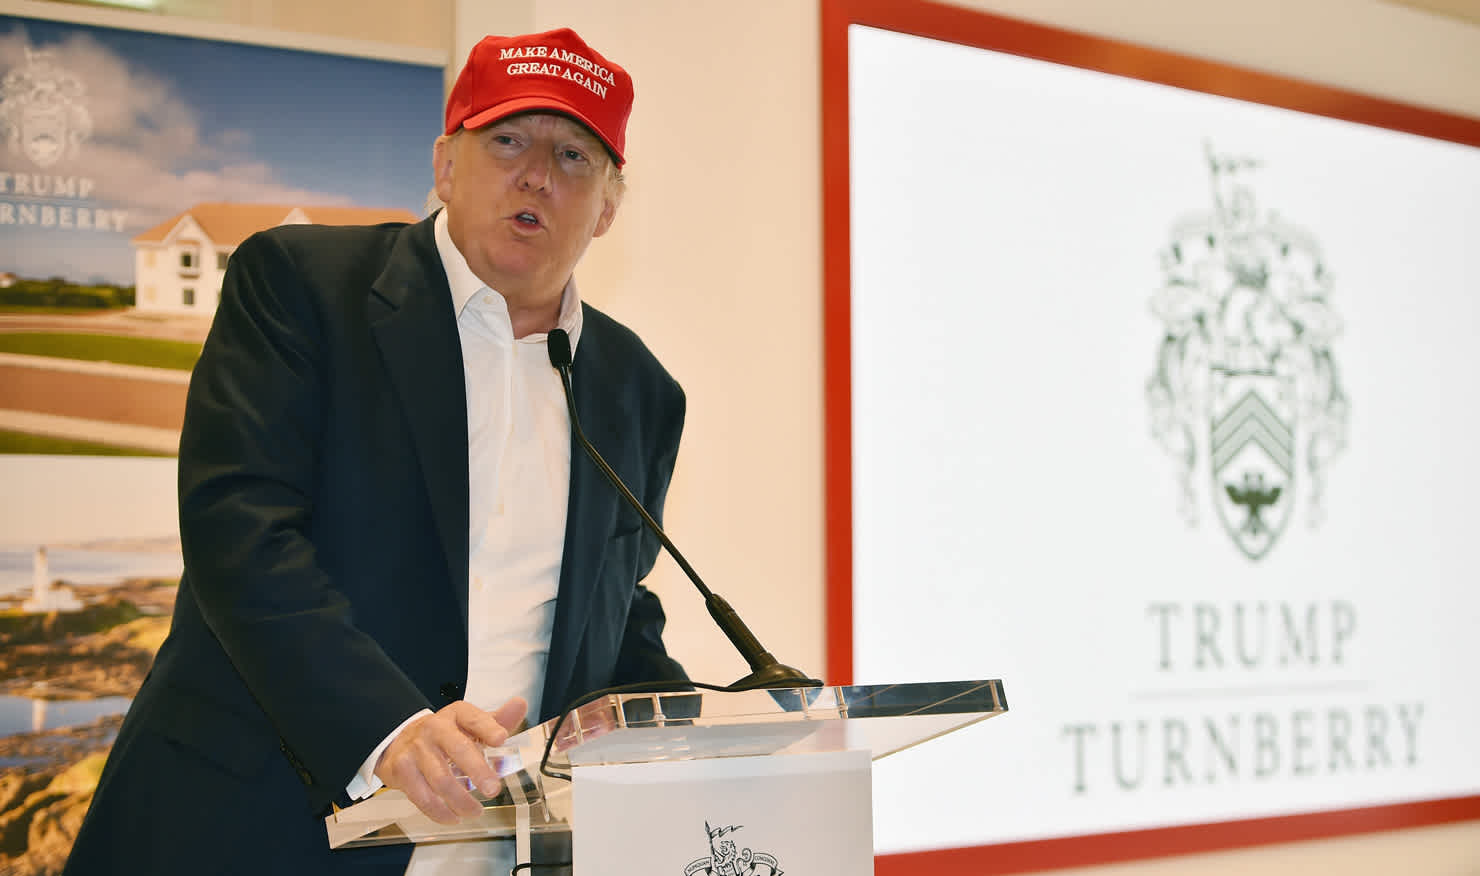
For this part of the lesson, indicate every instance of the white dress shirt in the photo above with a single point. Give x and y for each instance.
(518, 487)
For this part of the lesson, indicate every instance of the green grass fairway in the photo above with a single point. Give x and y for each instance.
(177, 355)
(20, 442)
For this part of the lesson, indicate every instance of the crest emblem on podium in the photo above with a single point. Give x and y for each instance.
(726, 858)
(1245, 375)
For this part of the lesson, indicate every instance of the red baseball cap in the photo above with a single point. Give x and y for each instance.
(555, 71)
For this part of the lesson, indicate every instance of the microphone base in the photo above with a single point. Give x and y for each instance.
(774, 676)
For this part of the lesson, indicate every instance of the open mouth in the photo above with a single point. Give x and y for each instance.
(526, 219)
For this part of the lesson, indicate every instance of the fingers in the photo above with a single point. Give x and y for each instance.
(484, 729)
(511, 713)
(510, 716)
(430, 758)
(415, 764)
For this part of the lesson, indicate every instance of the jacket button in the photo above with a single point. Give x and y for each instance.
(451, 690)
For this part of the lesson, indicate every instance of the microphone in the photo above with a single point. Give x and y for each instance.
(766, 670)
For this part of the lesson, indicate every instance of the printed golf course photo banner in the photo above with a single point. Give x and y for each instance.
(132, 164)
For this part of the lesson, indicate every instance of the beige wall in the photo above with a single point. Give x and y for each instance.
(1372, 46)
(393, 22)
(716, 263)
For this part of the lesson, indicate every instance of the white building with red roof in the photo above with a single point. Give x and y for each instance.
(179, 263)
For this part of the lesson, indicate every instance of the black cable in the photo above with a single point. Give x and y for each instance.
(638, 687)
(530, 867)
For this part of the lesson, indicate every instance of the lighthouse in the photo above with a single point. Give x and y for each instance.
(45, 598)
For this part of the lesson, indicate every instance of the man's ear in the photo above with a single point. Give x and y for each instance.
(442, 154)
(608, 215)
(609, 203)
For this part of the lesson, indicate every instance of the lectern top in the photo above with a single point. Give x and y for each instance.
(682, 725)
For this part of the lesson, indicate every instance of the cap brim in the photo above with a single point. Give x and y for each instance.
(528, 104)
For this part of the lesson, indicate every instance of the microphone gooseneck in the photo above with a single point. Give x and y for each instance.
(766, 670)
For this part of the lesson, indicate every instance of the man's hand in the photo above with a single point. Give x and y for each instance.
(424, 761)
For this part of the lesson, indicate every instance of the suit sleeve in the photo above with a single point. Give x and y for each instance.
(249, 458)
(643, 656)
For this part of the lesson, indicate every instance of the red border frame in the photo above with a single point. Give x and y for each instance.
(988, 31)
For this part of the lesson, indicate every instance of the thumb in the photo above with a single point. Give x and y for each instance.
(511, 713)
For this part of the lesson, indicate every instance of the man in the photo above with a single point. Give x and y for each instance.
(391, 544)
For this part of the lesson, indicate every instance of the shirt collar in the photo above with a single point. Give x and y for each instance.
(464, 284)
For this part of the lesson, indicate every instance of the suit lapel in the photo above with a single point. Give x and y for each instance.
(592, 510)
(411, 315)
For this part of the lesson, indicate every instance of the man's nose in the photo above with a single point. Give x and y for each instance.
(537, 173)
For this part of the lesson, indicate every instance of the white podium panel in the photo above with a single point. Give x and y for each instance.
(803, 813)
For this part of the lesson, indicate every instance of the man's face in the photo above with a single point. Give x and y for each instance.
(524, 197)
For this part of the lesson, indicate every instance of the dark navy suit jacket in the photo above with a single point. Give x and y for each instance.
(324, 521)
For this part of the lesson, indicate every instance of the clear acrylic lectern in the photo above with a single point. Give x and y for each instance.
(692, 725)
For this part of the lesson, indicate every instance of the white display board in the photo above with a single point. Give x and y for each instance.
(1164, 412)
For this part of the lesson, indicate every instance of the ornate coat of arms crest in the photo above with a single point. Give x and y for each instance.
(727, 859)
(1245, 375)
(41, 110)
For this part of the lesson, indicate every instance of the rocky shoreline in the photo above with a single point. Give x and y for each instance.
(47, 777)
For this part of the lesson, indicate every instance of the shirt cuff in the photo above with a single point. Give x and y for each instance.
(366, 782)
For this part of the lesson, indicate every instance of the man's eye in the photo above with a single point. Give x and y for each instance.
(572, 155)
(504, 139)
